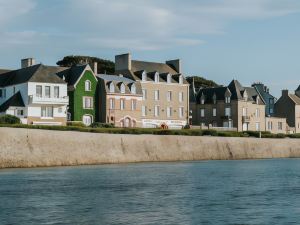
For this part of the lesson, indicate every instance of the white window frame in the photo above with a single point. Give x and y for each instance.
(144, 91)
(45, 112)
(214, 112)
(111, 87)
(122, 88)
(111, 103)
(144, 110)
(169, 78)
(84, 101)
(56, 89)
(180, 79)
(181, 112)
(202, 113)
(180, 96)
(227, 99)
(257, 113)
(133, 104)
(227, 111)
(156, 77)
(37, 91)
(122, 104)
(156, 110)
(46, 94)
(156, 95)
(133, 89)
(169, 112)
(87, 85)
(169, 96)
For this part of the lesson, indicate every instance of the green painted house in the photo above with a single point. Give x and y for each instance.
(82, 89)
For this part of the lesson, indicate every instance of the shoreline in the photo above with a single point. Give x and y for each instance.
(29, 148)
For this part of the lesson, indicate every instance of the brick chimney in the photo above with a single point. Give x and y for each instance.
(285, 92)
(175, 64)
(123, 62)
(27, 62)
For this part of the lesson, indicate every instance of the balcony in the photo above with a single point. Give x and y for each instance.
(226, 117)
(245, 119)
(34, 99)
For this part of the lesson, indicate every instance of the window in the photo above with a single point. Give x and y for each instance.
(47, 111)
(271, 110)
(122, 104)
(180, 96)
(156, 77)
(156, 95)
(47, 92)
(87, 102)
(156, 110)
(133, 89)
(20, 112)
(144, 110)
(227, 111)
(60, 109)
(181, 112)
(270, 125)
(144, 94)
(111, 87)
(257, 126)
(87, 120)
(88, 85)
(202, 112)
(271, 101)
(257, 113)
(122, 88)
(169, 111)
(169, 78)
(111, 103)
(169, 96)
(214, 112)
(279, 125)
(180, 79)
(245, 111)
(56, 91)
(202, 101)
(214, 99)
(144, 76)
(227, 99)
(133, 104)
(38, 91)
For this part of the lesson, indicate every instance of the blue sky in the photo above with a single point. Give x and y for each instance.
(249, 40)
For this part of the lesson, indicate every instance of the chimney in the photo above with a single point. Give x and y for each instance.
(95, 68)
(27, 62)
(175, 64)
(123, 62)
(285, 92)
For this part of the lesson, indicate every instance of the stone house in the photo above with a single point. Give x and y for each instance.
(165, 90)
(230, 107)
(121, 101)
(288, 106)
(269, 99)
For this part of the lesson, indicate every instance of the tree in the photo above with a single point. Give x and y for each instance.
(104, 66)
(201, 82)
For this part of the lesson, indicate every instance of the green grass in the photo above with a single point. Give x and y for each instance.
(139, 131)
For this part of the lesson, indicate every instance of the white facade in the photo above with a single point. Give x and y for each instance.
(48, 107)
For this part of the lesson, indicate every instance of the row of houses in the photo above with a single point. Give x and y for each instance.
(239, 108)
(141, 94)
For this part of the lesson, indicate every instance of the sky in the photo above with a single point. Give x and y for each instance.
(221, 40)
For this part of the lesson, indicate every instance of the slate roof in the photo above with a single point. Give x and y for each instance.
(234, 88)
(117, 80)
(72, 74)
(298, 89)
(295, 98)
(151, 67)
(16, 100)
(4, 71)
(37, 73)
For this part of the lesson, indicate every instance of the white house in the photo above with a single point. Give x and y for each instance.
(35, 94)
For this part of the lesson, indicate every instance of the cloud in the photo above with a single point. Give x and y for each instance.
(131, 24)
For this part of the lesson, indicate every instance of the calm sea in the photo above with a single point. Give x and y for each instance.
(212, 192)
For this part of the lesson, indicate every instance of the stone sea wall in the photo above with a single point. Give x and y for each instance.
(38, 148)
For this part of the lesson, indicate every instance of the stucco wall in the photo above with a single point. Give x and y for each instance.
(32, 148)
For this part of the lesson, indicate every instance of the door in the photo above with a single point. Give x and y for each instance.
(87, 120)
(245, 126)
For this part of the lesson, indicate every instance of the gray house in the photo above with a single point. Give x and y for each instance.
(267, 97)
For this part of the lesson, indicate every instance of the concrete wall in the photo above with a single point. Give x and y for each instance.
(32, 148)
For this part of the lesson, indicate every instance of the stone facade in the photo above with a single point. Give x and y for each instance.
(121, 101)
(165, 91)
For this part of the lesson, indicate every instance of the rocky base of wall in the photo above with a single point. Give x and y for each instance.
(40, 148)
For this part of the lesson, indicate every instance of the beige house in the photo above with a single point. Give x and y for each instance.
(276, 125)
(120, 101)
(288, 106)
(231, 107)
(164, 88)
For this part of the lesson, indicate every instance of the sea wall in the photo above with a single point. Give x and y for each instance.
(36, 148)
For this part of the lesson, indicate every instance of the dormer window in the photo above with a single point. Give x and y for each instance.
(169, 78)
(227, 99)
(180, 79)
(214, 99)
(88, 85)
(122, 88)
(257, 100)
(156, 77)
(144, 76)
(202, 100)
(133, 89)
(111, 87)
(245, 96)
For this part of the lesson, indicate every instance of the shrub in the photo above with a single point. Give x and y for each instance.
(75, 124)
(9, 119)
(102, 125)
(293, 135)
(210, 132)
(187, 126)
